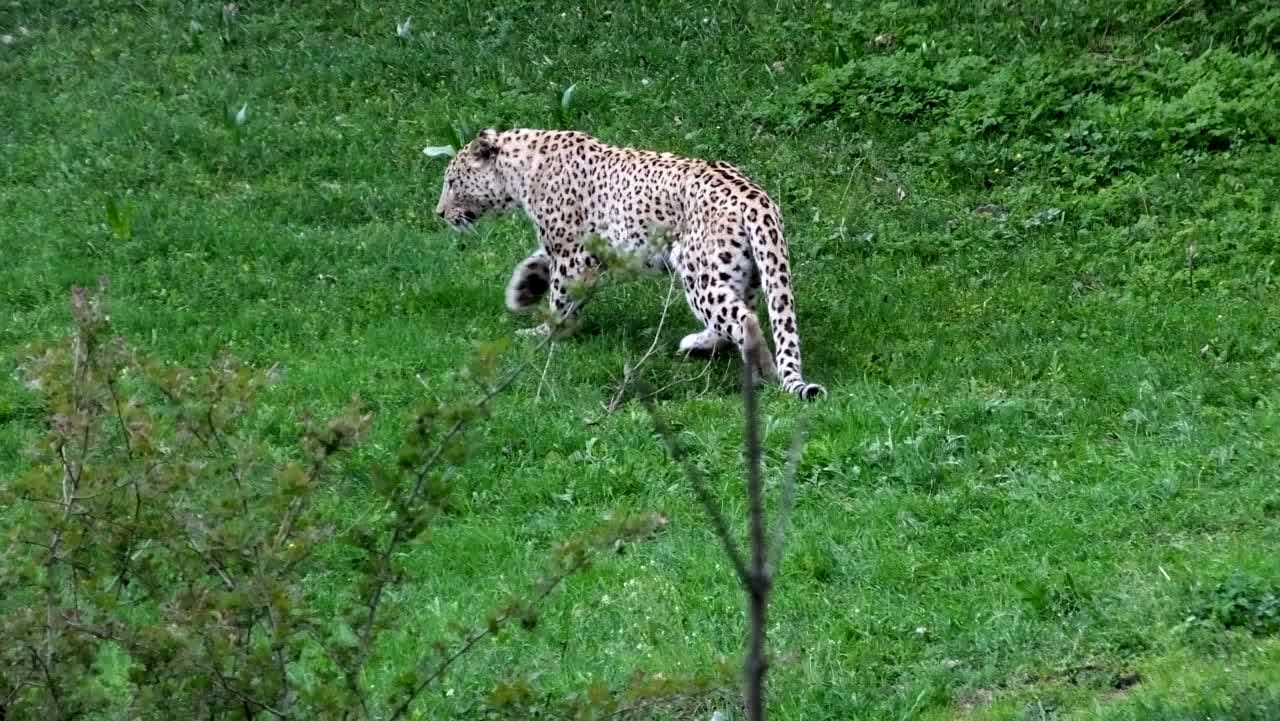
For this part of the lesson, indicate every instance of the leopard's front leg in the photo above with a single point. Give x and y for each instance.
(529, 282)
(571, 267)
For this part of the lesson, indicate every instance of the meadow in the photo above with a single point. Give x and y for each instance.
(1035, 252)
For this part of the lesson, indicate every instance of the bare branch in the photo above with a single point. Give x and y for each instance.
(99, 634)
(420, 481)
(282, 663)
(629, 370)
(226, 452)
(291, 514)
(190, 423)
(1167, 18)
(242, 696)
(706, 368)
(211, 563)
(124, 429)
(471, 641)
(17, 686)
(757, 583)
(48, 676)
(551, 349)
(701, 491)
(794, 454)
(350, 677)
(476, 637)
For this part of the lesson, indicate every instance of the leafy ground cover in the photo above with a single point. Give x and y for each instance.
(1035, 247)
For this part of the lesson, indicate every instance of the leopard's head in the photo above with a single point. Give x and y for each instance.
(474, 185)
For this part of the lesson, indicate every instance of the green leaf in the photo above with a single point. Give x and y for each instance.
(439, 151)
(120, 218)
(566, 99)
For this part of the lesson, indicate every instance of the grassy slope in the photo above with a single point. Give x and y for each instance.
(1028, 473)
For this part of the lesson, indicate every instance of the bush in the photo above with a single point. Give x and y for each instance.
(158, 555)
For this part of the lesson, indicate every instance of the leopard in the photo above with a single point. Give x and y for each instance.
(705, 221)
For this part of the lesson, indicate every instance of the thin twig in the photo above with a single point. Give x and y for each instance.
(282, 663)
(701, 491)
(290, 515)
(477, 637)
(127, 551)
(226, 452)
(191, 425)
(706, 368)
(70, 487)
(629, 371)
(545, 586)
(100, 634)
(243, 697)
(1167, 18)
(214, 437)
(551, 349)
(396, 533)
(349, 676)
(211, 563)
(17, 687)
(127, 548)
(48, 676)
(124, 429)
(778, 546)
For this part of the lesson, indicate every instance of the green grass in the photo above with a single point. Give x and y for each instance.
(1046, 442)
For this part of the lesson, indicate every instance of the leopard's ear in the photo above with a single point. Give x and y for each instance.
(486, 144)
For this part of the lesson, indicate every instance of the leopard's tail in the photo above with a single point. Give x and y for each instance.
(768, 248)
